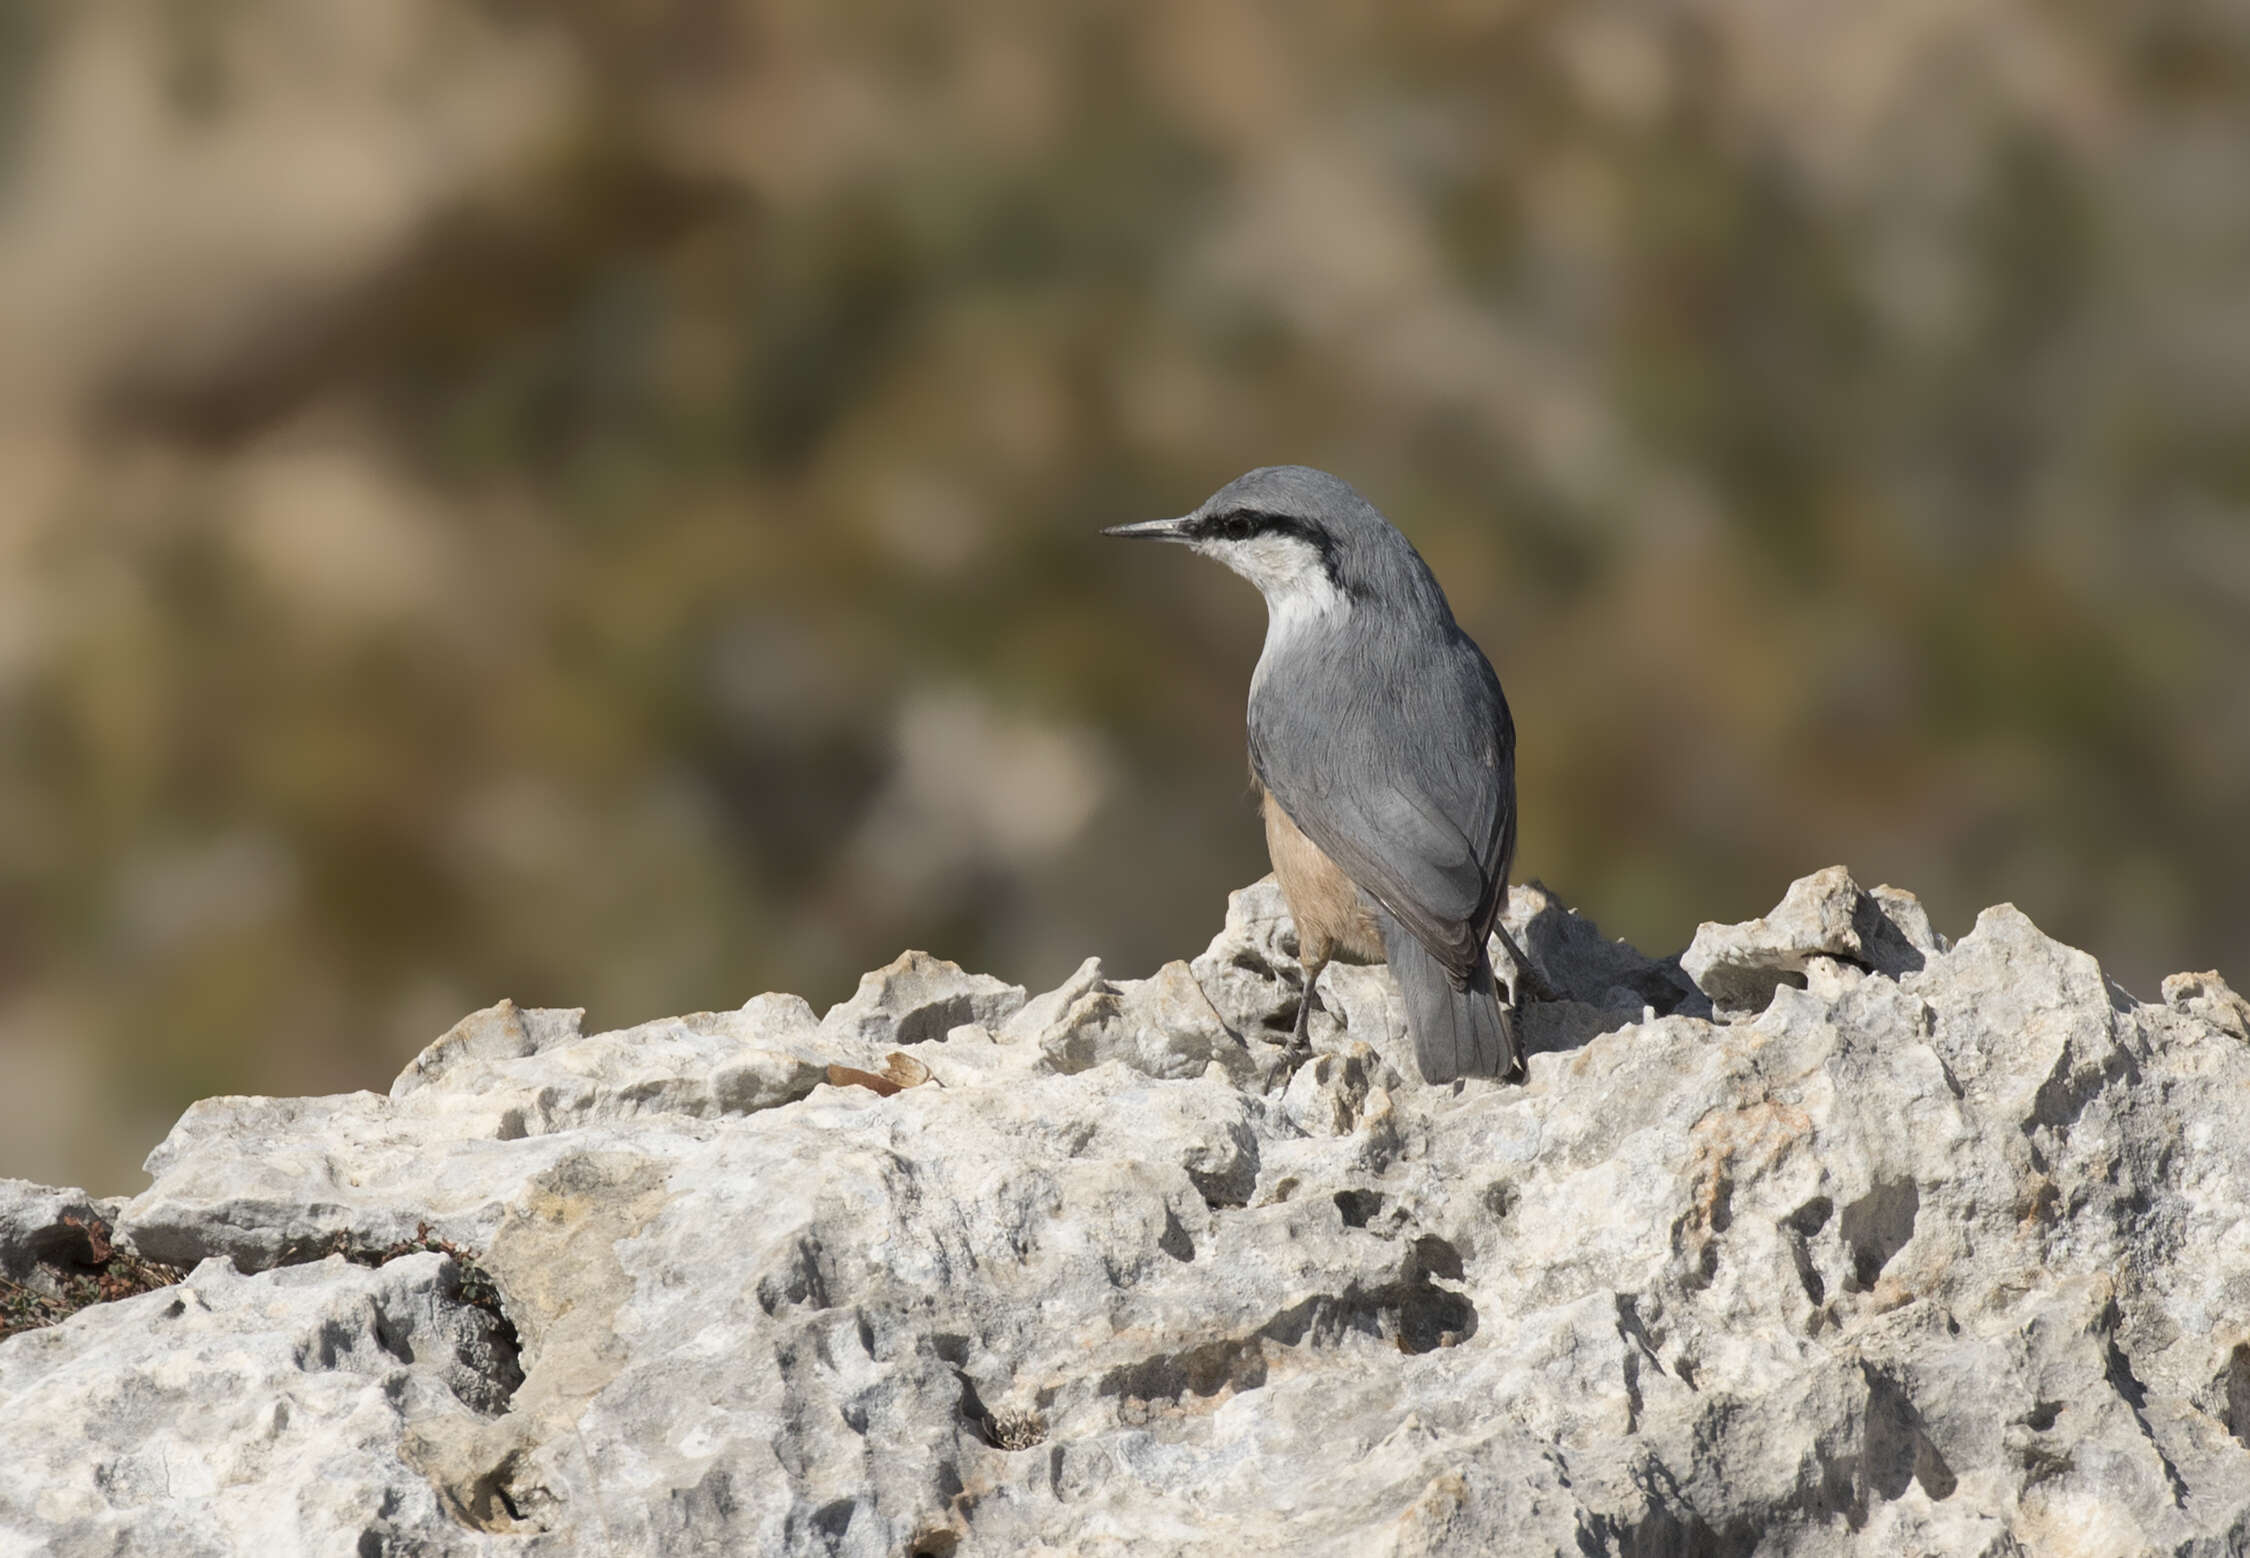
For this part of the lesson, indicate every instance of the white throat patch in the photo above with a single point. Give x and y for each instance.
(1292, 576)
(1276, 564)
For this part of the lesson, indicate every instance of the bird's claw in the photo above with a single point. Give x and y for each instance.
(1529, 983)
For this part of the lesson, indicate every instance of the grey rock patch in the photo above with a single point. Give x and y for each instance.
(1583, 965)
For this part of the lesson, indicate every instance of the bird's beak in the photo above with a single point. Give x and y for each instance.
(1151, 530)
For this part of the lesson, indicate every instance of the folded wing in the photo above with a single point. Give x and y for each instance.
(1428, 835)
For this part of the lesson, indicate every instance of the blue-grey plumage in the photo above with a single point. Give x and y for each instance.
(1380, 729)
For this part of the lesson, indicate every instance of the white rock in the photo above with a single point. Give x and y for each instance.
(498, 1033)
(1327, 1094)
(918, 997)
(1947, 1250)
(247, 1414)
(1825, 921)
(2210, 998)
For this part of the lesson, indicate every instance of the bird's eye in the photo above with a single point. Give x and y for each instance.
(1235, 525)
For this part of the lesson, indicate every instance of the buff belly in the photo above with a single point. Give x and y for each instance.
(1332, 917)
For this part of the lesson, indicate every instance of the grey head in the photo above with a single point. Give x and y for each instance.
(1310, 543)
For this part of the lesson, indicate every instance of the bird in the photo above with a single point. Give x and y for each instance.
(1384, 755)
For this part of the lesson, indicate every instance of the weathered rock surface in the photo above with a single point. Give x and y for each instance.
(1827, 1237)
(275, 1413)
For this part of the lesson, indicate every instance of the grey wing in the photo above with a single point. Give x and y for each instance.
(1431, 848)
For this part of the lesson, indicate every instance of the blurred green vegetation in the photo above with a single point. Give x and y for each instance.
(596, 504)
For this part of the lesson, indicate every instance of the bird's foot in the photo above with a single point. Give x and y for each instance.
(1300, 1036)
(1529, 984)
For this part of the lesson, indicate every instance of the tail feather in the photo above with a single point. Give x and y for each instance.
(1456, 1032)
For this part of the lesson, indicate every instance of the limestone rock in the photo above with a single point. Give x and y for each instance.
(919, 997)
(1828, 1237)
(498, 1033)
(248, 1414)
(2211, 999)
(1827, 927)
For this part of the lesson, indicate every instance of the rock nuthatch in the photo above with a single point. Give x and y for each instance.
(1383, 747)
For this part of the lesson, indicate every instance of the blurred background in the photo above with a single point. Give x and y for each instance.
(595, 503)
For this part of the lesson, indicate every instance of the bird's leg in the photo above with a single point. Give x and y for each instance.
(1302, 1039)
(1529, 981)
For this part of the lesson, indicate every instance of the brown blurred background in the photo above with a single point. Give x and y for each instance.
(596, 503)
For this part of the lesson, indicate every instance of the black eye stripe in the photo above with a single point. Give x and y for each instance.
(1243, 524)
